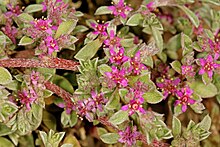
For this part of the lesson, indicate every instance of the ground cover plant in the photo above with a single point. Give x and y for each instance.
(115, 73)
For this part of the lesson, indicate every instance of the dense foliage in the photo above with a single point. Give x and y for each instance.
(99, 73)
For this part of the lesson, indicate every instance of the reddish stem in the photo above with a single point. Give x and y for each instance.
(46, 62)
(59, 91)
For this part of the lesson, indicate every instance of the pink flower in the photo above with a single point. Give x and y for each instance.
(99, 100)
(215, 47)
(188, 70)
(184, 98)
(51, 45)
(25, 99)
(34, 77)
(10, 31)
(136, 65)
(150, 6)
(83, 109)
(68, 105)
(100, 29)
(208, 66)
(168, 86)
(129, 136)
(112, 41)
(120, 9)
(117, 58)
(118, 76)
(43, 25)
(134, 106)
(13, 11)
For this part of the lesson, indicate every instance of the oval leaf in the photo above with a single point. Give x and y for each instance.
(5, 76)
(25, 41)
(194, 19)
(119, 117)
(89, 50)
(134, 20)
(65, 27)
(176, 126)
(158, 38)
(110, 138)
(205, 91)
(103, 10)
(33, 8)
(153, 97)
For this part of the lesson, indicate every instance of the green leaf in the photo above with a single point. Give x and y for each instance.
(5, 76)
(215, 2)
(158, 38)
(205, 91)
(114, 101)
(110, 138)
(5, 142)
(206, 123)
(174, 43)
(33, 8)
(72, 140)
(119, 117)
(25, 41)
(103, 10)
(134, 20)
(194, 19)
(127, 42)
(101, 131)
(176, 65)
(176, 126)
(89, 50)
(47, 93)
(148, 61)
(104, 68)
(153, 97)
(4, 130)
(80, 29)
(49, 120)
(206, 79)
(63, 83)
(66, 27)
(25, 17)
(68, 120)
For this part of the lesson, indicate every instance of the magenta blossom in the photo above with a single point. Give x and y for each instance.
(215, 48)
(136, 65)
(25, 99)
(35, 77)
(188, 70)
(117, 58)
(10, 31)
(51, 45)
(120, 9)
(134, 106)
(208, 66)
(100, 29)
(129, 136)
(118, 76)
(84, 108)
(98, 99)
(168, 86)
(13, 11)
(43, 25)
(112, 41)
(184, 98)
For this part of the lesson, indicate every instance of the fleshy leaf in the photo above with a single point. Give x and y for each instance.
(205, 91)
(65, 27)
(119, 117)
(25, 41)
(194, 19)
(5, 76)
(33, 8)
(103, 10)
(89, 50)
(134, 20)
(5, 142)
(153, 97)
(176, 126)
(110, 138)
(176, 65)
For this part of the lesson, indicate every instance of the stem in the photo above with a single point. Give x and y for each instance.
(59, 91)
(46, 62)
